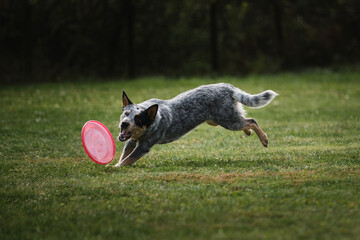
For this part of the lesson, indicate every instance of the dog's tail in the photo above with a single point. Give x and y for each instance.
(254, 101)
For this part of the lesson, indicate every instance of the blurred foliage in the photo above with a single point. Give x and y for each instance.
(110, 37)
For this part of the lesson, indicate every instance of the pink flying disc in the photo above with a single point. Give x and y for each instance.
(98, 142)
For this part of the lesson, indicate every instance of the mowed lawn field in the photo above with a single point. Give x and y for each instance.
(210, 184)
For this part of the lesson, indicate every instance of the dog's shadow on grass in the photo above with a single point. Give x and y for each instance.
(219, 163)
(205, 162)
(123, 169)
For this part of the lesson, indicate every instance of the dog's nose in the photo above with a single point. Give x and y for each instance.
(124, 125)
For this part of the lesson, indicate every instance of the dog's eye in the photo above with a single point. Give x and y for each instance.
(127, 113)
(137, 121)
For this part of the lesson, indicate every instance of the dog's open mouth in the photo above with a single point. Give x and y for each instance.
(124, 135)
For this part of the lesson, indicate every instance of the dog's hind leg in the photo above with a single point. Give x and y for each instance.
(246, 125)
(247, 131)
(250, 123)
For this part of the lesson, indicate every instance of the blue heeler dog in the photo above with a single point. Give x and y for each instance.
(162, 121)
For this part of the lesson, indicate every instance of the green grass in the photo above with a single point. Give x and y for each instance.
(210, 184)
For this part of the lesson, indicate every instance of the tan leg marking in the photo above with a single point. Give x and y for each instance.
(128, 149)
(247, 131)
(251, 124)
(126, 152)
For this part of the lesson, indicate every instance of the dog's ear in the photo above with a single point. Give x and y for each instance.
(126, 100)
(152, 111)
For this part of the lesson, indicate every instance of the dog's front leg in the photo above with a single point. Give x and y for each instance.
(128, 148)
(139, 151)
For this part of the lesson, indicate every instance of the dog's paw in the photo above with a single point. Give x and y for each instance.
(265, 141)
(112, 166)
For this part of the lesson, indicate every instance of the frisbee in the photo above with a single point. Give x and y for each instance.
(98, 142)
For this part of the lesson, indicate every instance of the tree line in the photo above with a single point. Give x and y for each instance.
(42, 38)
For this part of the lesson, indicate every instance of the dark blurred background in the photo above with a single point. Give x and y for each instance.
(47, 40)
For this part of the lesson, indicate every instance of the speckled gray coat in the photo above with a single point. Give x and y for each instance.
(217, 104)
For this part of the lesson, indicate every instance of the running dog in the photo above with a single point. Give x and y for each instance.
(157, 121)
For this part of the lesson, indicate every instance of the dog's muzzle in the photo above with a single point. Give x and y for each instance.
(124, 134)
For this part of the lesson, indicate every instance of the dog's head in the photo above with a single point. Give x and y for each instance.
(135, 119)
